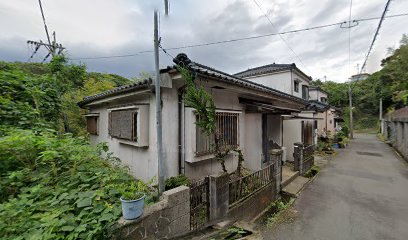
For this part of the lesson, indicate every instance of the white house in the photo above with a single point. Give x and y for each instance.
(327, 116)
(249, 116)
(291, 80)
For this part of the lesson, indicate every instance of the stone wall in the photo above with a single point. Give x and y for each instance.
(395, 130)
(169, 218)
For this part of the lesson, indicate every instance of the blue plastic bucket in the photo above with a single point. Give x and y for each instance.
(132, 209)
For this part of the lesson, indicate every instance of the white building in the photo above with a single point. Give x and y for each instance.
(291, 80)
(249, 116)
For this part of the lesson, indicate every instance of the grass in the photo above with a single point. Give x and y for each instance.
(279, 211)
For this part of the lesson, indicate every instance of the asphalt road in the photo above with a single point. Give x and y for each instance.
(361, 194)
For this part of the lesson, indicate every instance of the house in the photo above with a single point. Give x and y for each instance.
(328, 117)
(360, 76)
(249, 116)
(290, 79)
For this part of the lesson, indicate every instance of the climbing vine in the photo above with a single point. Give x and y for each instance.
(199, 99)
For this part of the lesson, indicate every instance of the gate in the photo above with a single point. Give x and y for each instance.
(199, 204)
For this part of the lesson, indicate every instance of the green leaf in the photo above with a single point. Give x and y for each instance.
(85, 202)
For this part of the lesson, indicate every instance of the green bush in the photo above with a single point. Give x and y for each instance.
(312, 171)
(58, 187)
(177, 181)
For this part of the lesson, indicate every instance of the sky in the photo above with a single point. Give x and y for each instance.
(98, 28)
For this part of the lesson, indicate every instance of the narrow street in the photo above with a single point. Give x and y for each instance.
(361, 194)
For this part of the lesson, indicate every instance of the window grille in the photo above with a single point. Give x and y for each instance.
(227, 127)
(123, 124)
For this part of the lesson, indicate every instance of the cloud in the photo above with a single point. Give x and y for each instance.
(103, 28)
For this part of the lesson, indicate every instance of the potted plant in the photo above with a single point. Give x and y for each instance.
(132, 201)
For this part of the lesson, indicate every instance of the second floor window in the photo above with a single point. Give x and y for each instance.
(227, 127)
(305, 92)
(296, 86)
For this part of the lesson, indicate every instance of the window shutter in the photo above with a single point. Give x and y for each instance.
(92, 124)
(122, 124)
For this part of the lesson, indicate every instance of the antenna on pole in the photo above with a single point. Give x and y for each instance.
(52, 47)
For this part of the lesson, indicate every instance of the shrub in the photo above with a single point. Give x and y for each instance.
(177, 181)
(312, 171)
(57, 187)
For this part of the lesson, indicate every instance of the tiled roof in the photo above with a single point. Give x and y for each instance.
(265, 69)
(400, 114)
(182, 59)
(318, 106)
(231, 79)
(270, 68)
(116, 91)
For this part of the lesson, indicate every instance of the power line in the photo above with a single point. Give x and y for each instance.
(280, 35)
(342, 23)
(375, 35)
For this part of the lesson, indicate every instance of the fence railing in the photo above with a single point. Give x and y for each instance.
(303, 157)
(243, 187)
(199, 204)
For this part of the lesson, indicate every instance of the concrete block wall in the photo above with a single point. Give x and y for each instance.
(169, 218)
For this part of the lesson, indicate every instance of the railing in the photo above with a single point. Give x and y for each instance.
(304, 157)
(243, 187)
(199, 204)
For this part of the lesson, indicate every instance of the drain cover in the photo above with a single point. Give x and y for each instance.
(370, 154)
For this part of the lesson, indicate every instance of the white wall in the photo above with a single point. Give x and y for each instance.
(253, 141)
(275, 128)
(282, 81)
(142, 161)
(316, 94)
(292, 133)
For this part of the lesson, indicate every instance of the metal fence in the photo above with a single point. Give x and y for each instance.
(199, 204)
(243, 187)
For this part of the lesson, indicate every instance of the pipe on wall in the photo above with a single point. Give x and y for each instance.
(181, 135)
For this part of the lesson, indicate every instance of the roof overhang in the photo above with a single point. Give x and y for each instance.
(258, 106)
(295, 117)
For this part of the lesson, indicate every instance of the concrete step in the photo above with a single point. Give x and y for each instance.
(288, 175)
(293, 188)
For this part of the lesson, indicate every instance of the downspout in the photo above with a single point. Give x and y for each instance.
(181, 135)
(291, 80)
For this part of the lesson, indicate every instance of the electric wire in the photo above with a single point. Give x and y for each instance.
(242, 38)
(375, 35)
(280, 35)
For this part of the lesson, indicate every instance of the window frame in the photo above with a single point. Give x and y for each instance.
(230, 117)
(296, 85)
(96, 117)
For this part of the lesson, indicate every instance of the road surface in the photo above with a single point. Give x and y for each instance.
(361, 194)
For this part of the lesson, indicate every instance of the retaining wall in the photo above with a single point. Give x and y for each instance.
(395, 130)
(167, 219)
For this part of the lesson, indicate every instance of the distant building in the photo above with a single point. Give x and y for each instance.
(360, 76)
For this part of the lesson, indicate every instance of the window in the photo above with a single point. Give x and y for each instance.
(226, 126)
(296, 85)
(123, 124)
(323, 100)
(305, 92)
(92, 124)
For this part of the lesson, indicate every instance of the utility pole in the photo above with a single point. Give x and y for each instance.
(160, 158)
(53, 47)
(381, 114)
(351, 110)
